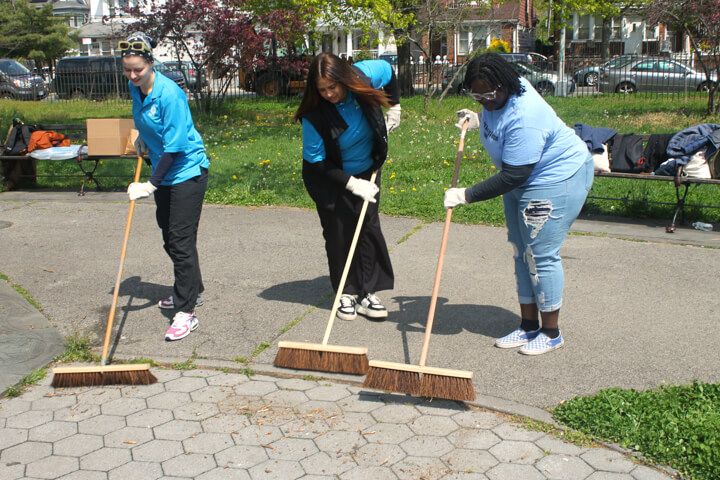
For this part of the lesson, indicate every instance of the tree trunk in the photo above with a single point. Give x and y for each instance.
(605, 45)
(405, 70)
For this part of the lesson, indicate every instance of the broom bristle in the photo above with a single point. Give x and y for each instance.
(401, 381)
(97, 378)
(333, 362)
(447, 387)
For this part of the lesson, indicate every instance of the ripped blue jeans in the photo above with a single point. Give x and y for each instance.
(538, 219)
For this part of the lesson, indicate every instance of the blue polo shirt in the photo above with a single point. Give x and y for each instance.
(356, 143)
(528, 131)
(165, 124)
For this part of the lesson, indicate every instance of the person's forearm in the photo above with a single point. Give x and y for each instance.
(509, 178)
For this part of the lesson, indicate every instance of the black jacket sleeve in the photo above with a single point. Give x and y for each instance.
(162, 168)
(327, 169)
(392, 89)
(509, 178)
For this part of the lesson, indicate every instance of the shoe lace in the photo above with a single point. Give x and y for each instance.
(346, 301)
(372, 299)
(181, 318)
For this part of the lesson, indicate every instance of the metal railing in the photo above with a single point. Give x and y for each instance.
(582, 76)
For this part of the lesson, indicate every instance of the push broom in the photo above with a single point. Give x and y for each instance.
(136, 374)
(321, 356)
(420, 379)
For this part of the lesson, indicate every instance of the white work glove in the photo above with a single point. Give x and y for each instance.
(392, 118)
(140, 147)
(473, 116)
(454, 197)
(140, 190)
(363, 189)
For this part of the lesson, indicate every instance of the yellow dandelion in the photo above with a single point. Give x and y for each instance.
(234, 177)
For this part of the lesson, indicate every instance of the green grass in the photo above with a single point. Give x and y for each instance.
(32, 379)
(256, 155)
(674, 425)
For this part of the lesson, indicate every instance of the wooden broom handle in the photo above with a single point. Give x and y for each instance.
(116, 291)
(441, 256)
(348, 262)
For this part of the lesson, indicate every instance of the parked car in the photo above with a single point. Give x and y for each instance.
(190, 74)
(656, 75)
(17, 82)
(589, 76)
(97, 77)
(546, 82)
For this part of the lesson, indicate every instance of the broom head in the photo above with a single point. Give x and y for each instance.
(137, 374)
(447, 384)
(395, 377)
(324, 358)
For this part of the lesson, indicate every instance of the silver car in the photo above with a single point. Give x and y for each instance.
(655, 75)
(546, 82)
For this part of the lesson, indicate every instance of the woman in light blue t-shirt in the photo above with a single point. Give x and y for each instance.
(544, 175)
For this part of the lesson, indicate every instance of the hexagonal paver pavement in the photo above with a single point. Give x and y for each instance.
(212, 425)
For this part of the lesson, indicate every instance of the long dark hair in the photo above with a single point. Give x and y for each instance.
(327, 65)
(495, 70)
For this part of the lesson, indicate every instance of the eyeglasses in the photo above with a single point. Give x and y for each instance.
(479, 97)
(138, 46)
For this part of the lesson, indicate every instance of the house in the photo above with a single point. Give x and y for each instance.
(513, 22)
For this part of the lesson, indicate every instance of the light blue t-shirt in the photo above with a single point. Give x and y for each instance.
(356, 143)
(165, 124)
(528, 131)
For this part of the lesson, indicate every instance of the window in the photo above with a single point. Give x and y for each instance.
(583, 31)
(647, 66)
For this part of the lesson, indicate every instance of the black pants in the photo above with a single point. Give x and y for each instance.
(178, 216)
(371, 270)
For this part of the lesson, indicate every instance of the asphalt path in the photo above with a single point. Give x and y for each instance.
(638, 309)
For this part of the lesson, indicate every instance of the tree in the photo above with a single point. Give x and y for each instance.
(230, 40)
(700, 21)
(27, 32)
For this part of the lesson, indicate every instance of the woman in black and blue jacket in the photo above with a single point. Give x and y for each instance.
(344, 142)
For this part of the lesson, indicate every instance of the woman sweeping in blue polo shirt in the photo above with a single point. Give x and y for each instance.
(179, 174)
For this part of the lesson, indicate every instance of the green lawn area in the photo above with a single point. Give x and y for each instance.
(256, 159)
(256, 156)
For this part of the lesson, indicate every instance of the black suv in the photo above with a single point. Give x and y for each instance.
(96, 78)
(17, 82)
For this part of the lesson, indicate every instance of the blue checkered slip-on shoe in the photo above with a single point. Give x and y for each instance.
(518, 338)
(542, 344)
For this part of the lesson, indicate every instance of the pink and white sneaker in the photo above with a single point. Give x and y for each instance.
(183, 324)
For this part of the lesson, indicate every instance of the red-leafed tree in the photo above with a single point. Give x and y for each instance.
(226, 40)
(700, 21)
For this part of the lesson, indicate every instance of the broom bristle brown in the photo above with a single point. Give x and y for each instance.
(333, 362)
(401, 381)
(447, 387)
(98, 378)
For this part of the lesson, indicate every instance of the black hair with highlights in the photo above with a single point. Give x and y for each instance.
(495, 70)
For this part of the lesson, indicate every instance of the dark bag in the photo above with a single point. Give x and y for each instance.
(627, 154)
(18, 138)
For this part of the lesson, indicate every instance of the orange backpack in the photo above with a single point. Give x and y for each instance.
(46, 139)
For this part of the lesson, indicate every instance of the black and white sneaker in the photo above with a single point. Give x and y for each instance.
(371, 307)
(346, 310)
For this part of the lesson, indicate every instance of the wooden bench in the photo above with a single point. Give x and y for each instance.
(77, 133)
(678, 180)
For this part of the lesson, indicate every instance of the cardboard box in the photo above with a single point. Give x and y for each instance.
(108, 136)
(130, 147)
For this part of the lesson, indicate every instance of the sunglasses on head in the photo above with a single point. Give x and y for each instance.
(137, 45)
(479, 97)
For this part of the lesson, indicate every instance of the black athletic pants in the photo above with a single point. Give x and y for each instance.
(371, 270)
(178, 216)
